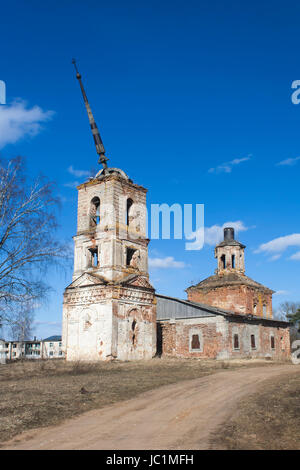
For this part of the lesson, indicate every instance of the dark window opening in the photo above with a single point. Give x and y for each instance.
(223, 261)
(129, 254)
(233, 261)
(254, 308)
(253, 346)
(133, 325)
(95, 212)
(129, 204)
(236, 343)
(94, 257)
(272, 342)
(195, 342)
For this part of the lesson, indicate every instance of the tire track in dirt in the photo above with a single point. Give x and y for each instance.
(177, 416)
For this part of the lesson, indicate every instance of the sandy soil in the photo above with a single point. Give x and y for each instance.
(179, 416)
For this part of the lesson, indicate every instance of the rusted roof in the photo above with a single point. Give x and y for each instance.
(168, 308)
(229, 279)
(230, 243)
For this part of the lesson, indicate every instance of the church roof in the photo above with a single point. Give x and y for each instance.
(230, 243)
(171, 308)
(228, 279)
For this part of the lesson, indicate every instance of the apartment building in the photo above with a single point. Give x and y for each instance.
(48, 348)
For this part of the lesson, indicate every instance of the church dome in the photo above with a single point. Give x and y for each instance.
(111, 171)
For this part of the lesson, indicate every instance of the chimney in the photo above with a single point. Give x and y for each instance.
(228, 234)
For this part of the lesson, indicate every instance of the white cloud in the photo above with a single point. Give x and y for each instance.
(72, 184)
(214, 234)
(274, 257)
(281, 292)
(227, 166)
(168, 262)
(296, 256)
(18, 121)
(280, 244)
(289, 162)
(78, 173)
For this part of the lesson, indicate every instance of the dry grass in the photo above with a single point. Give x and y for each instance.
(40, 393)
(269, 420)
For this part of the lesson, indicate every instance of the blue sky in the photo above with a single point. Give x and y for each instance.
(193, 101)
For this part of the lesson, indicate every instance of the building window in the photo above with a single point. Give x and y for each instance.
(264, 310)
(233, 261)
(60, 353)
(94, 257)
(195, 342)
(51, 345)
(95, 212)
(223, 261)
(129, 254)
(236, 343)
(128, 207)
(51, 353)
(253, 345)
(133, 325)
(60, 344)
(272, 342)
(254, 309)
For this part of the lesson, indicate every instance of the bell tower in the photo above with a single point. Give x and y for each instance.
(111, 227)
(109, 308)
(230, 254)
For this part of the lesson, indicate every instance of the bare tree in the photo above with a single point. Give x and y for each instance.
(285, 309)
(28, 245)
(21, 323)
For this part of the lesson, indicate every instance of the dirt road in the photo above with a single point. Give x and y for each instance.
(180, 416)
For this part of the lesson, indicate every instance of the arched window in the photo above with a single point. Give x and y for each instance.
(95, 212)
(128, 207)
(223, 261)
(264, 310)
(233, 261)
(272, 342)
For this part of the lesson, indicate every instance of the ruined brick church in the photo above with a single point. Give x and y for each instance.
(111, 310)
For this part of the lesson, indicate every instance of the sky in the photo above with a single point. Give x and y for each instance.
(193, 100)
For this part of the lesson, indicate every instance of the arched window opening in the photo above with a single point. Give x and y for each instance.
(128, 207)
(272, 342)
(133, 325)
(264, 310)
(254, 309)
(129, 256)
(94, 257)
(95, 212)
(223, 261)
(236, 343)
(233, 261)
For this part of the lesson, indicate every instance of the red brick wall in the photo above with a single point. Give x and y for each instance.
(239, 299)
(262, 340)
(175, 338)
